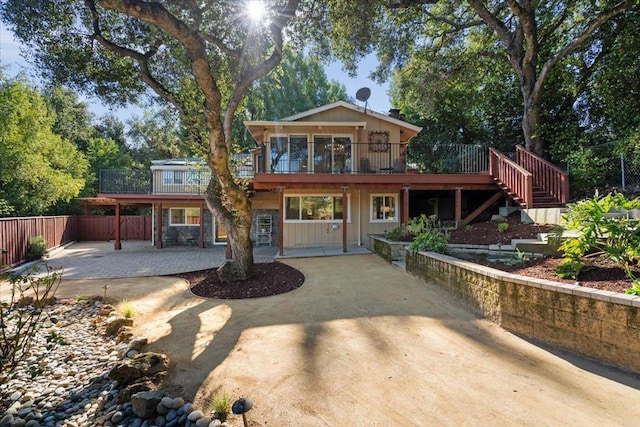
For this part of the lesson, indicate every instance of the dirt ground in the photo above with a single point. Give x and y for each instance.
(365, 343)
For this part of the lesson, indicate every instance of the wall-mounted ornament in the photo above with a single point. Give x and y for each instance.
(379, 141)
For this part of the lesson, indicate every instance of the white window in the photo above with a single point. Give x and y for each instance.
(384, 207)
(184, 216)
(314, 208)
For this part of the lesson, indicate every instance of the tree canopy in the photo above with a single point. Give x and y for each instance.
(533, 39)
(37, 167)
(200, 57)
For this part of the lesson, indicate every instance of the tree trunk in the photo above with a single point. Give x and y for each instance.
(531, 111)
(241, 266)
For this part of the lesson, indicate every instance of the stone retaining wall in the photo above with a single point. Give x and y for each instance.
(598, 324)
(386, 249)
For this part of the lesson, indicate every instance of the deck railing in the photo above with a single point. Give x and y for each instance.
(517, 179)
(367, 158)
(546, 176)
(125, 181)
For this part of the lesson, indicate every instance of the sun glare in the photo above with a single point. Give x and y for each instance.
(256, 10)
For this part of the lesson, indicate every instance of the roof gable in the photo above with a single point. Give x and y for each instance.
(354, 108)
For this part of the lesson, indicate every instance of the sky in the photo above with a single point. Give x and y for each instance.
(13, 63)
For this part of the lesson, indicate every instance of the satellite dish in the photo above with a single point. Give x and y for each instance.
(363, 95)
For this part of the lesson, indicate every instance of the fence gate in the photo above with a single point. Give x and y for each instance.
(102, 228)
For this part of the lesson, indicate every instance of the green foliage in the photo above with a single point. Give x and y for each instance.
(37, 248)
(220, 405)
(502, 227)
(520, 258)
(37, 168)
(433, 241)
(602, 227)
(126, 309)
(569, 268)
(423, 224)
(396, 234)
(22, 313)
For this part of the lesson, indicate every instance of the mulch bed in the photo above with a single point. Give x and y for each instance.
(270, 278)
(598, 273)
(486, 233)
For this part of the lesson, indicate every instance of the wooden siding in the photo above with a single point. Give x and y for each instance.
(16, 232)
(310, 234)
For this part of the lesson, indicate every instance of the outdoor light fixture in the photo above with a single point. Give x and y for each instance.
(242, 406)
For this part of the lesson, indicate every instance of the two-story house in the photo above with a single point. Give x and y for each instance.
(331, 176)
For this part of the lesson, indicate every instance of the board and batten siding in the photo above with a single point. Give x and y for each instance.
(313, 234)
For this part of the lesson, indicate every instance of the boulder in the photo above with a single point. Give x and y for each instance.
(115, 325)
(144, 403)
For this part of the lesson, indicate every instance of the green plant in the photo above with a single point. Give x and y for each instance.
(469, 227)
(502, 227)
(220, 405)
(81, 298)
(423, 224)
(520, 258)
(396, 234)
(37, 248)
(23, 314)
(126, 308)
(431, 242)
(634, 289)
(600, 227)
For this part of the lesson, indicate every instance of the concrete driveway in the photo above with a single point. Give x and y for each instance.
(363, 343)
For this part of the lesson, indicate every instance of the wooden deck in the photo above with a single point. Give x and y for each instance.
(392, 181)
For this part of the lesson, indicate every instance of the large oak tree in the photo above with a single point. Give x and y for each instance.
(199, 56)
(532, 37)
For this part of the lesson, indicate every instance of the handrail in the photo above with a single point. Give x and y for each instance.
(517, 179)
(546, 176)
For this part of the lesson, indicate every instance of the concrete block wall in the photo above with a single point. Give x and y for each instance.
(597, 324)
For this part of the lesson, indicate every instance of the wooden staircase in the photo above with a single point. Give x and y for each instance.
(530, 181)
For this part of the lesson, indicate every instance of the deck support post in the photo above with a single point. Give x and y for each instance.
(281, 221)
(117, 245)
(201, 237)
(345, 211)
(458, 206)
(405, 207)
(159, 236)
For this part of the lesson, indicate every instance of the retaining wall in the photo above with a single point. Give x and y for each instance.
(598, 324)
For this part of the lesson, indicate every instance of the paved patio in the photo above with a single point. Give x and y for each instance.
(98, 260)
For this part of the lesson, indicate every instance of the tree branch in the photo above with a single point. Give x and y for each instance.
(252, 73)
(596, 23)
(141, 58)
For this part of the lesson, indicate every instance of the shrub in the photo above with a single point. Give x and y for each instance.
(430, 242)
(598, 233)
(423, 224)
(23, 313)
(397, 234)
(220, 405)
(37, 248)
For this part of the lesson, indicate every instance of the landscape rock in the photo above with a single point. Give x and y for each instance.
(144, 403)
(114, 325)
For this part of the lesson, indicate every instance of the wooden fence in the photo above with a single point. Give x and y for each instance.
(59, 230)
